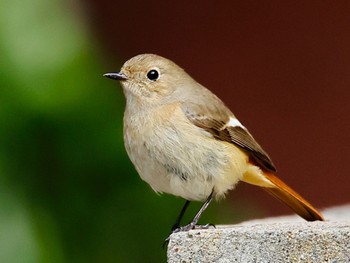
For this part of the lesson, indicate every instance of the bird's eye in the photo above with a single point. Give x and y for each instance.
(153, 75)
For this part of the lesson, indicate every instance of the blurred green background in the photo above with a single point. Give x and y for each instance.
(68, 192)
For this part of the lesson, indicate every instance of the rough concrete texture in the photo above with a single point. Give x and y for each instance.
(277, 239)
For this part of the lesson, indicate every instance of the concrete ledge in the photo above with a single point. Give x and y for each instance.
(279, 239)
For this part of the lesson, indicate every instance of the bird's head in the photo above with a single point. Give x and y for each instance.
(150, 78)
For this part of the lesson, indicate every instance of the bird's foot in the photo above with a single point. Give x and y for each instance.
(186, 228)
(191, 226)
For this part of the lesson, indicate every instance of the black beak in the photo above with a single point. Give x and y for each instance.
(116, 76)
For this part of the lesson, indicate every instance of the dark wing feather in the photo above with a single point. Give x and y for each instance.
(214, 121)
(241, 137)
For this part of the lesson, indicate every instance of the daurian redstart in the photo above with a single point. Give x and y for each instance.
(184, 141)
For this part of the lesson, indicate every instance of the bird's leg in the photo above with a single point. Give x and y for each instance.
(194, 222)
(177, 223)
(179, 218)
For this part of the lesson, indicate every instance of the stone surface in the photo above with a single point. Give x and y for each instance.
(277, 239)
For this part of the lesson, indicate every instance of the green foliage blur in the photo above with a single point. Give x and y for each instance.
(68, 192)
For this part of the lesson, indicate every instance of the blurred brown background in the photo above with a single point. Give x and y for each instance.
(281, 66)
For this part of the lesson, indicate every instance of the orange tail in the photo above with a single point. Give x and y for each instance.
(292, 199)
(284, 193)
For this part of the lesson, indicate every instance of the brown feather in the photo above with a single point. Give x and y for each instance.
(292, 199)
(213, 119)
(215, 122)
(245, 140)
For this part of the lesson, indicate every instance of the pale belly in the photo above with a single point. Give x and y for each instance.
(187, 162)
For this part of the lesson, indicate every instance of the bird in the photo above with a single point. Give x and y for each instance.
(184, 141)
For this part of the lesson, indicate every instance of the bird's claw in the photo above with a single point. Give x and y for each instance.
(186, 228)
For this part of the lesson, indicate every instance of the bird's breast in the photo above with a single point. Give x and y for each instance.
(175, 156)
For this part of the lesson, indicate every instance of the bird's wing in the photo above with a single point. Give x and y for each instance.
(221, 123)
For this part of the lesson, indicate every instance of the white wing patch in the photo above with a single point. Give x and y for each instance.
(233, 122)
